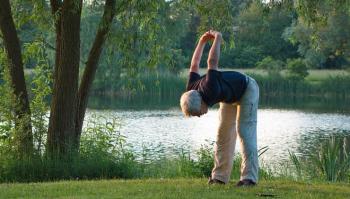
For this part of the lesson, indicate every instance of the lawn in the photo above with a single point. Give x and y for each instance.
(172, 188)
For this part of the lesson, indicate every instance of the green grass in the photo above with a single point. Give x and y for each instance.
(174, 188)
(314, 75)
(319, 75)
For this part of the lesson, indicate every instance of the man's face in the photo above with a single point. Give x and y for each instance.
(204, 110)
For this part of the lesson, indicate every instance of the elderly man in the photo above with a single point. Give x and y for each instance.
(238, 96)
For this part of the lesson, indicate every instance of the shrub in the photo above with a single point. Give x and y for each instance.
(205, 159)
(272, 66)
(314, 59)
(296, 69)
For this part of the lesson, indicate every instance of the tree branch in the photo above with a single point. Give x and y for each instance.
(55, 6)
(92, 62)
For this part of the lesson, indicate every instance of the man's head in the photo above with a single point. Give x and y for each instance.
(192, 104)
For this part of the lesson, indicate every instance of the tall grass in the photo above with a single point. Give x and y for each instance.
(105, 153)
(331, 162)
(336, 86)
(166, 86)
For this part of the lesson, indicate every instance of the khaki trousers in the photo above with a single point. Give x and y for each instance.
(239, 118)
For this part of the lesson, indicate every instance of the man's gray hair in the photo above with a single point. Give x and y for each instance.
(190, 102)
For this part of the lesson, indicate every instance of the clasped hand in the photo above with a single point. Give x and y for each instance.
(210, 35)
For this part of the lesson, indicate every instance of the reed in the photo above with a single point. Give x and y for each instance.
(167, 86)
(331, 162)
(105, 153)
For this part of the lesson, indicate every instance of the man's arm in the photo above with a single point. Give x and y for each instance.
(197, 54)
(214, 53)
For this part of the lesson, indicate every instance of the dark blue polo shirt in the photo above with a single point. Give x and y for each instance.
(217, 86)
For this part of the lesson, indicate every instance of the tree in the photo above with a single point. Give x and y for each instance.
(139, 34)
(319, 33)
(140, 39)
(323, 41)
(259, 33)
(23, 129)
(315, 12)
(69, 102)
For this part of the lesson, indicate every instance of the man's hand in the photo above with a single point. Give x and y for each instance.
(207, 36)
(215, 34)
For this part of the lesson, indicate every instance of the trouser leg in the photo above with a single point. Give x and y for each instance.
(247, 131)
(225, 143)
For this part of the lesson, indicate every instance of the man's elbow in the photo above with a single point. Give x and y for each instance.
(213, 62)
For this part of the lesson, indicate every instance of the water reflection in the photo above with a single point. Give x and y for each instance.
(279, 129)
(284, 123)
(310, 104)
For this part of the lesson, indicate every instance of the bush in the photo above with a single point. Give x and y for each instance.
(272, 66)
(296, 69)
(314, 59)
(205, 159)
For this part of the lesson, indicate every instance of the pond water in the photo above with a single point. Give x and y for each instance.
(281, 129)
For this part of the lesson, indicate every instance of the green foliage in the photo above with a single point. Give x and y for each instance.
(331, 162)
(104, 153)
(319, 33)
(335, 85)
(297, 165)
(331, 87)
(35, 54)
(273, 67)
(206, 159)
(248, 56)
(163, 91)
(6, 112)
(150, 37)
(259, 31)
(102, 134)
(216, 15)
(10, 125)
(158, 86)
(105, 150)
(296, 69)
(316, 12)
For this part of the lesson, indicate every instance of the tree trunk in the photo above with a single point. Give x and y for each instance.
(23, 128)
(61, 133)
(92, 63)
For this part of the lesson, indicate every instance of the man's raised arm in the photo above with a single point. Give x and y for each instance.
(214, 53)
(197, 54)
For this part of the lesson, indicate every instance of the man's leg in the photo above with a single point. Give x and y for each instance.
(246, 129)
(225, 143)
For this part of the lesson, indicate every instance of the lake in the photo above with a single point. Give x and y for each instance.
(282, 127)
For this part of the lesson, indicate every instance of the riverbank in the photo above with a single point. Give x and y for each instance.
(322, 89)
(322, 84)
(173, 188)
